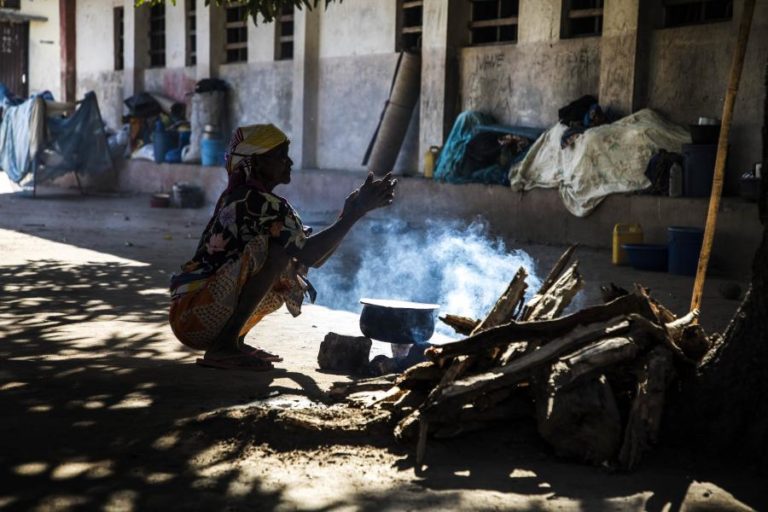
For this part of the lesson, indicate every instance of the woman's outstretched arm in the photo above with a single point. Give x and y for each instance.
(371, 195)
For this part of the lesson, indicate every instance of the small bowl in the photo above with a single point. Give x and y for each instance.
(160, 201)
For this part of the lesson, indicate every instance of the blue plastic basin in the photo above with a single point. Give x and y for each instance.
(647, 256)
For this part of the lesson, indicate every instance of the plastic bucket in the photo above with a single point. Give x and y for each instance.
(698, 169)
(647, 256)
(212, 152)
(684, 247)
(163, 142)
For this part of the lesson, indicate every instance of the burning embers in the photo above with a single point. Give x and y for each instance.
(594, 381)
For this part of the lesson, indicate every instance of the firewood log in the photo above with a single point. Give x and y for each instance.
(519, 331)
(504, 309)
(647, 408)
(466, 389)
(587, 361)
(549, 281)
(557, 297)
(407, 429)
(422, 375)
(461, 324)
(582, 422)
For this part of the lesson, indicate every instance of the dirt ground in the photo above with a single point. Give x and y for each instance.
(103, 410)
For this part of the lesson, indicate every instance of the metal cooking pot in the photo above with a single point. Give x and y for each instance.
(396, 321)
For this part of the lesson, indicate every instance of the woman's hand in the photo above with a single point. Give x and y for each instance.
(373, 194)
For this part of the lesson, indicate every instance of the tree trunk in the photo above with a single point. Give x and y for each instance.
(728, 395)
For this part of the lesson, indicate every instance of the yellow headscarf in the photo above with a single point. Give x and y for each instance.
(255, 139)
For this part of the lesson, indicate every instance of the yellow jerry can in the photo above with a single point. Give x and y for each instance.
(625, 234)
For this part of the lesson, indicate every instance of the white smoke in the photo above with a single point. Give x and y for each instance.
(456, 266)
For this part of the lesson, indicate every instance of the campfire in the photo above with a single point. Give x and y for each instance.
(594, 381)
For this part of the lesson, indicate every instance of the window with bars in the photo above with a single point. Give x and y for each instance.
(410, 21)
(119, 30)
(237, 33)
(157, 36)
(582, 18)
(678, 13)
(493, 21)
(11, 4)
(284, 34)
(191, 32)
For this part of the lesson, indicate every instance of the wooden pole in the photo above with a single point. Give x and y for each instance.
(722, 151)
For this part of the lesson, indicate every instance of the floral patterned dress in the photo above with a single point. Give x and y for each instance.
(232, 249)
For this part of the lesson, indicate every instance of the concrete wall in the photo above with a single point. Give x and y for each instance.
(688, 72)
(95, 58)
(260, 93)
(358, 27)
(173, 83)
(525, 84)
(44, 47)
(357, 60)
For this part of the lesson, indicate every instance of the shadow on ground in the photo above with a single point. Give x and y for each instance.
(90, 393)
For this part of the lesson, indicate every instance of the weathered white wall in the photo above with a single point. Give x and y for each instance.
(176, 34)
(95, 50)
(176, 83)
(688, 71)
(358, 27)
(44, 47)
(261, 42)
(357, 62)
(261, 93)
(527, 84)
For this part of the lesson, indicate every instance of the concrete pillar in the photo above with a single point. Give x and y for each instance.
(67, 9)
(261, 41)
(444, 32)
(211, 36)
(540, 21)
(306, 45)
(176, 34)
(136, 47)
(619, 55)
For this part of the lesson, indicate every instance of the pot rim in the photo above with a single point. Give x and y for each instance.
(398, 304)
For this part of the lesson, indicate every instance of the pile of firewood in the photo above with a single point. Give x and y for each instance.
(594, 380)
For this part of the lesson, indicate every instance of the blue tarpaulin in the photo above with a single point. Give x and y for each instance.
(450, 166)
(76, 143)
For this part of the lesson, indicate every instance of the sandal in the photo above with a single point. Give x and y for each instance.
(237, 362)
(265, 355)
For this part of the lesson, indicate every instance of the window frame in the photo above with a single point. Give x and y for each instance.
(410, 32)
(118, 20)
(497, 23)
(190, 23)
(284, 43)
(569, 14)
(156, 52)
(703, 20)
(239, 47)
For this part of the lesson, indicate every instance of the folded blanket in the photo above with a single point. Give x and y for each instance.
(604, 160)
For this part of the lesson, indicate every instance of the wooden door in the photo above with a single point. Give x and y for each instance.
(14, 57)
